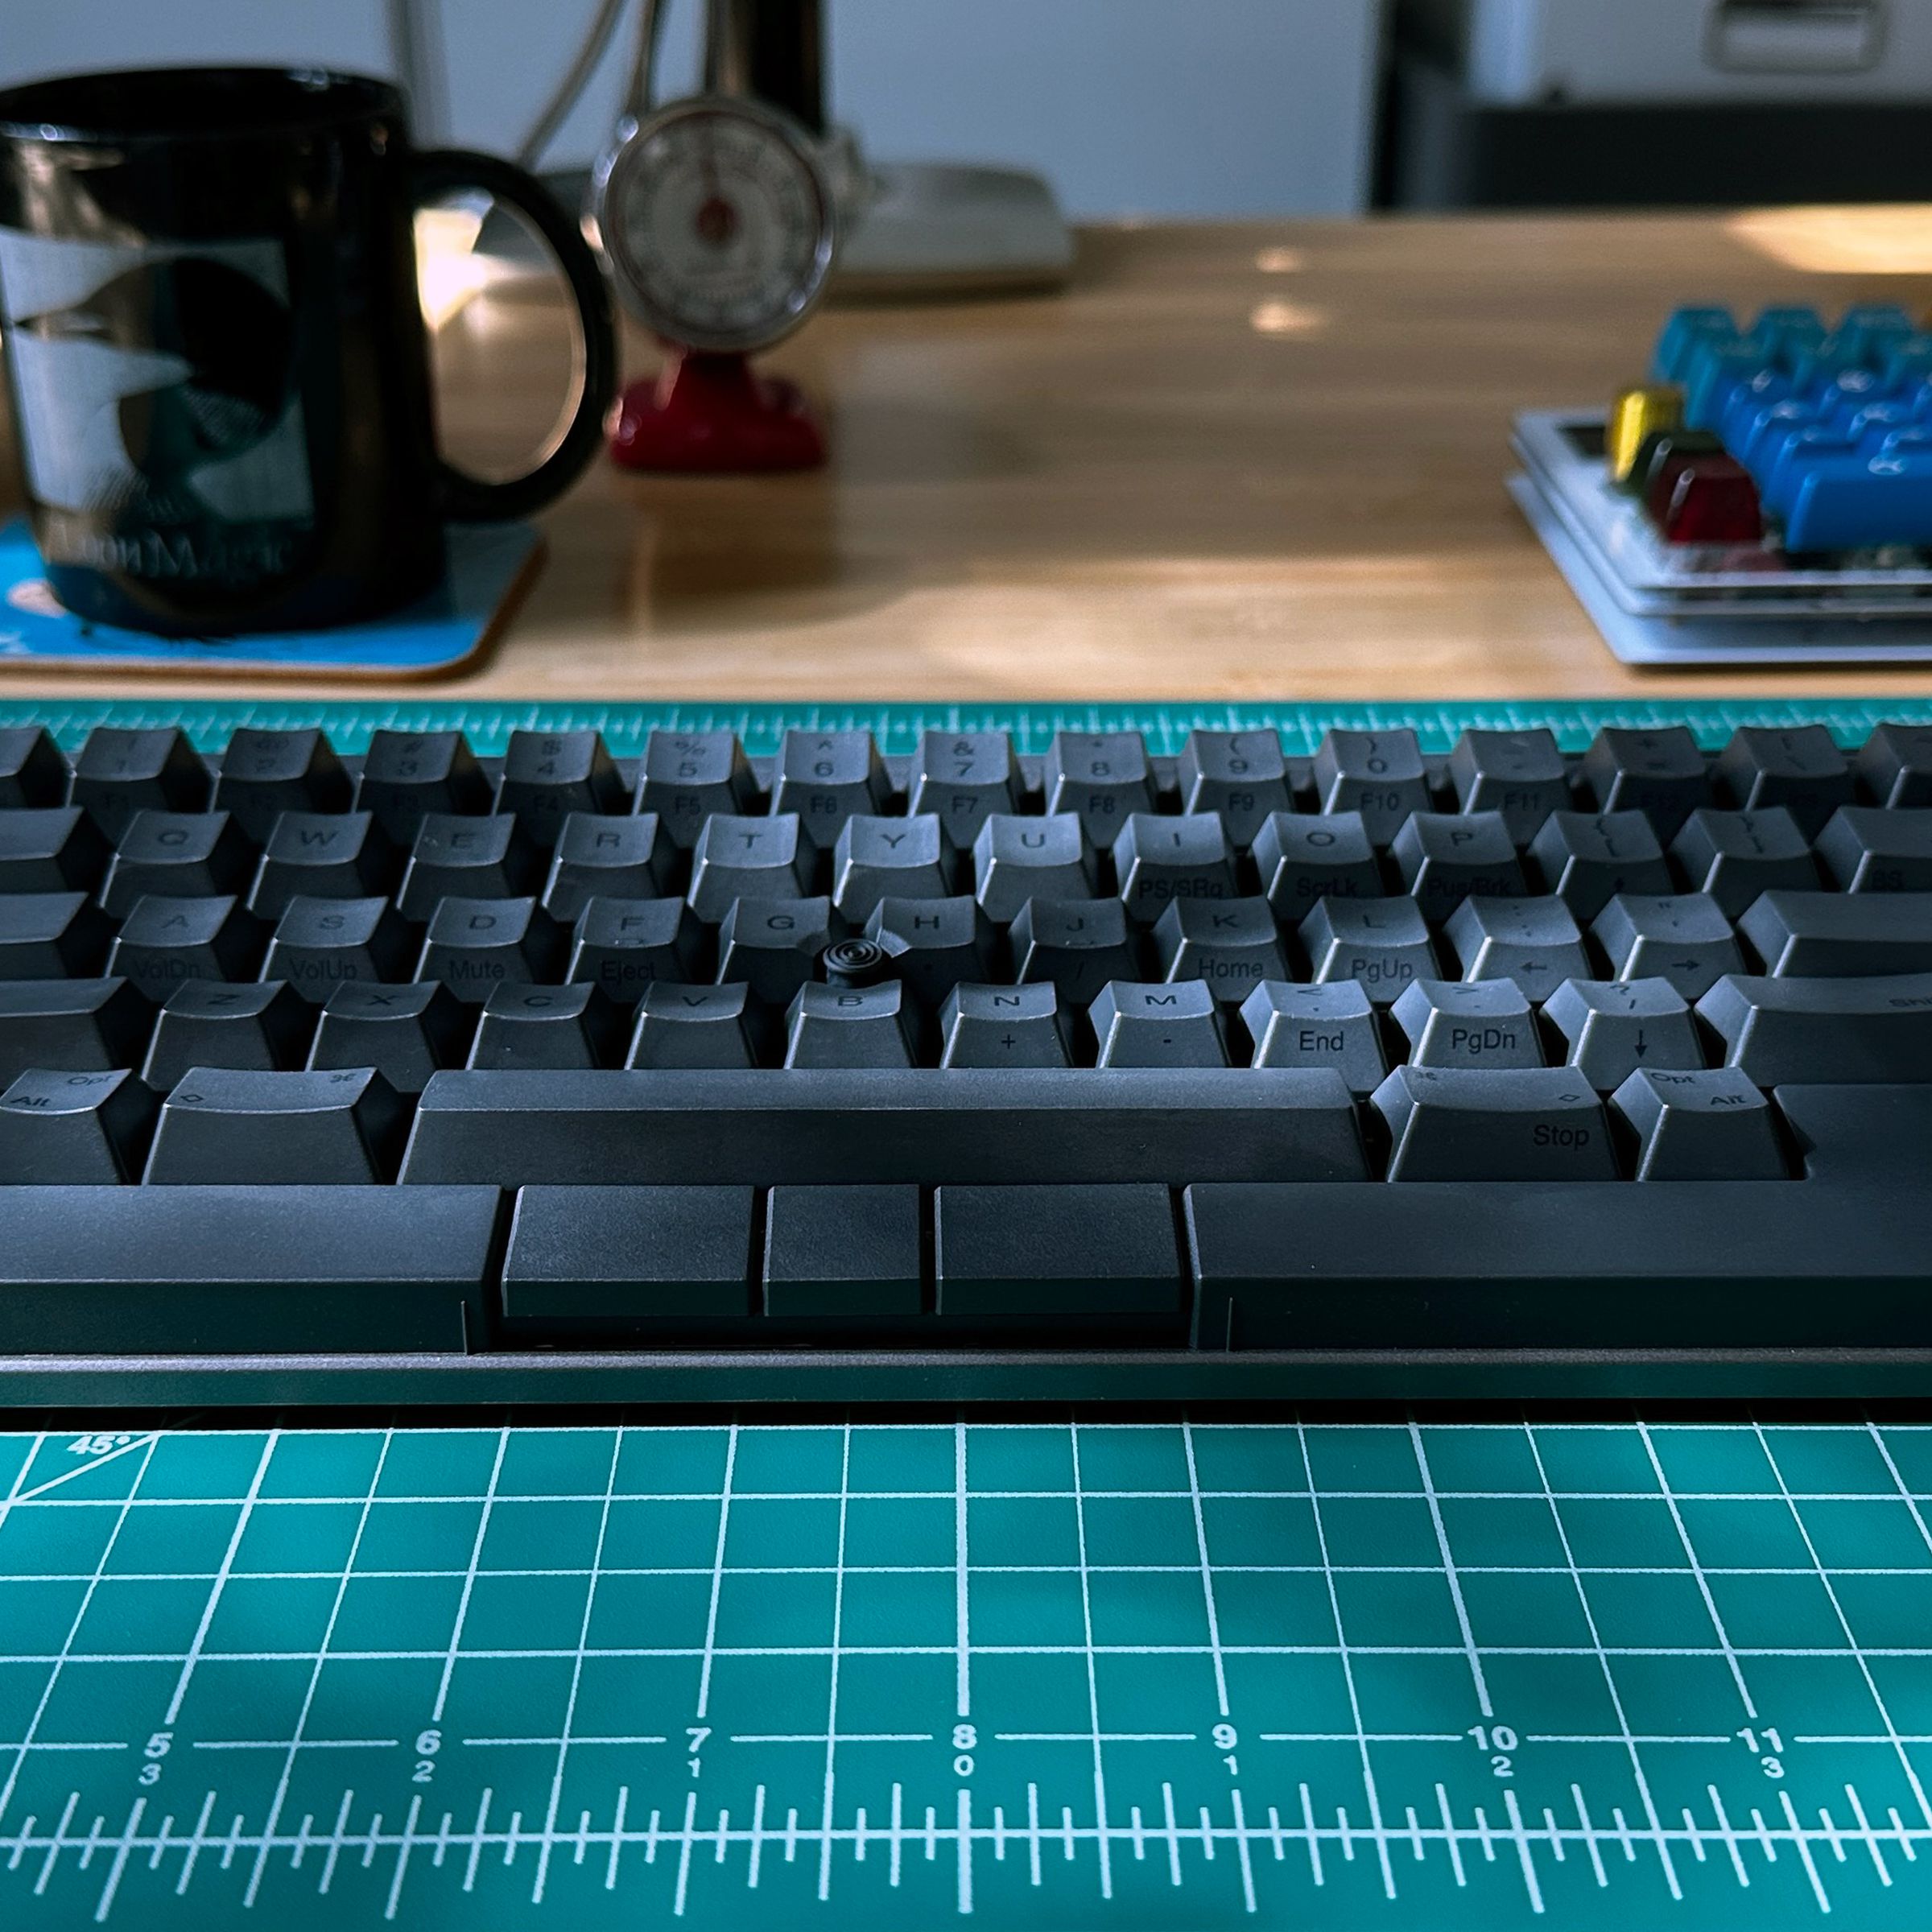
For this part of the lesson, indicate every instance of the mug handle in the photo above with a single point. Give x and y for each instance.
(439, 172)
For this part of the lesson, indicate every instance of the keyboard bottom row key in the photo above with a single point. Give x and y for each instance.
(682, 1261)
(240, 1271)
(1725, 1267)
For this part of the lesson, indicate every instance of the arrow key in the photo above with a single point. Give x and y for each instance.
(1613, 1027)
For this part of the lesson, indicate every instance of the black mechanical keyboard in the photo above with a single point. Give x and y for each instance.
(401, 1073)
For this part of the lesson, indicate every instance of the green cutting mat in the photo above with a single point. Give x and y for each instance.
(1053, 1676)
(899, 726)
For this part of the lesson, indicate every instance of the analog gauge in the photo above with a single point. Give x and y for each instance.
(718, 220)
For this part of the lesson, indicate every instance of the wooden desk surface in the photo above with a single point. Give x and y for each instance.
(1255, 460)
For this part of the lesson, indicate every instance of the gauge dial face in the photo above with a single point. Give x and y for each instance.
(719, 222)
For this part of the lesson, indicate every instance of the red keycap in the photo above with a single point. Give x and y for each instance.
(1713, 501)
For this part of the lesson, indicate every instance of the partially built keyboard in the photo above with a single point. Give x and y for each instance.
(444, 1054)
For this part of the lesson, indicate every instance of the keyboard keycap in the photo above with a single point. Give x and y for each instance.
(1139, 1026)
(825, 777)
(50, 849)
(1698, 1265)
(689, 776)
(474, 946)
(1016, 859)
(1383, 943)
(1004, 1026)
(51, 936)
(1377, 774)
(1534, 941)
(1613, 1027)
(178, 855)
(1469, 1124)
(1734, 855)
(405, 1033)
(737, 858)
(1835, 934)
(849, 1026)
(1659, 773)
(1078, 944)
(773, 945)
(164, 941)
(1894, 765)
(960, 778)
(1802, 769)
(1833, 1031)
(547, 1026)
(849, 1255)
(319, 944)
(1232, 946)
(1861, 1136)
(1444, 858)
(221, 1127)
(1487, 1024)
(1682, 938)
(877, 858)
(265, 773)
(1706, 1126)
(628, 1258)
(121, 771)
(1239, 777)
(343, 855)
(83, 1026)
(1102, 779)
(240, 1270)
(406, 775)
(936, 944)
(205, 1023)
(548, 775)
(1864, 849)
(764, 1127)
(1025, 1254)
(1587, 860)
(1317, 1027)
(693, 1027)
(70, 1129)
(1161, 862)
(33, 773)
(607, 858)
(1519, 773)
(625, 946)
(1302, 860)
(467, 858)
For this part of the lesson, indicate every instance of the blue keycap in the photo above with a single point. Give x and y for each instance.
(1718, 369)
(1685, 330)
(1848, 389)
(1875, 329)
(1764, 435)
(1787, 461)
(1910, 362)
(1869, 427)
(1747, 402)
(1815, 367)
(1851, 503)
(1907, 442)
(1782, 333)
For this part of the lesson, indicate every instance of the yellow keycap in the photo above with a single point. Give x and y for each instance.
(1635, 414)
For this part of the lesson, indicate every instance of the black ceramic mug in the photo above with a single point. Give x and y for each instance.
(219, 365)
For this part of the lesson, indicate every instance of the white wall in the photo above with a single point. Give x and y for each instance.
(1163, 107)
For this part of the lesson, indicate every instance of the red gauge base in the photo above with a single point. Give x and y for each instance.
(714, 415)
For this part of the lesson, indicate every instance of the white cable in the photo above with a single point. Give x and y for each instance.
(567, 90)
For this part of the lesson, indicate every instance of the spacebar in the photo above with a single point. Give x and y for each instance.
(992, 1126)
